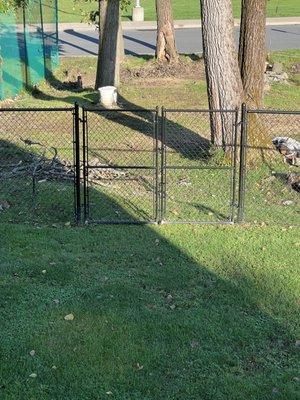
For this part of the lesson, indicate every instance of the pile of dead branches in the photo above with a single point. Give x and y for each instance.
(42, 164)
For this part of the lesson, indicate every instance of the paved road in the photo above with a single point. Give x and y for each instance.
(140, 42)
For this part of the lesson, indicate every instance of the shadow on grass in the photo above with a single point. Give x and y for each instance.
(151, 321)
(190, 144)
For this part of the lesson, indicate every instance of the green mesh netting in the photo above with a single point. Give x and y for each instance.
(11, 75)
(28, 46)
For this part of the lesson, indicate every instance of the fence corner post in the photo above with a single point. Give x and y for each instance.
(243, 154)
(77, 163)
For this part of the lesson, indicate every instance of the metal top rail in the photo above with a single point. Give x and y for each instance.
(265, 111)
(204, 110)
(37, 109)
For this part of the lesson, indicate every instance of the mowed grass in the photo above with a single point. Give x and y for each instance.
(171, 312)
(164, 312)
(187, 9)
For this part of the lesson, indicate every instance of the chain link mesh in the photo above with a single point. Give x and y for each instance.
(36, 166)
(121, 171)
(199, 167)
(272, 193)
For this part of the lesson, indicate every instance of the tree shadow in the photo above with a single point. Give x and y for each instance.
(156, 321)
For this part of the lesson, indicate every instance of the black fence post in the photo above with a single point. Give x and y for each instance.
(163, 166)
(157, 188)
(243, 154)
(77, 163)
(85, 167)
(234, 202)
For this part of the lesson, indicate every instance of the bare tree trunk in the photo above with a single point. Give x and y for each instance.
(111, 44)
(102, 4)
(252, 49)
(165, 43)
(224, 84)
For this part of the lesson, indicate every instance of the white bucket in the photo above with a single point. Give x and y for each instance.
(108, 96)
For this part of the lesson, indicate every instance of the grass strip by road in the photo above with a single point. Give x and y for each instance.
(182, 9)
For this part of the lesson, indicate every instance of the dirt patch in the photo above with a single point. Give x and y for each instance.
(187, 68)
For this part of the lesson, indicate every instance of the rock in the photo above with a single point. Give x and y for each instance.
(294, 181)
(287, 203)
(277, 68)
(4, 205)
(273, 77)
(69, 317)
(169, 298)
(289, 148)
(268, 67)
(275, 390)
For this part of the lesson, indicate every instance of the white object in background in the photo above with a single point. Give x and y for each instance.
(138, 12)
(108, 96)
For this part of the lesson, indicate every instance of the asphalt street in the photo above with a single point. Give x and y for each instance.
(142, 42)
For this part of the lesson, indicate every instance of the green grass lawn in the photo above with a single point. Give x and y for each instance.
(187, 9)
(160, 312)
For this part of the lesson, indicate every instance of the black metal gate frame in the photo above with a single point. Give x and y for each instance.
(86, 167)
(160, 165)
(236, 199)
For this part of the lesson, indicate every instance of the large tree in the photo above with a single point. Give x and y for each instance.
(232, 79)
(252, 49)
(165, 43)
(224, 84)
(111, 45)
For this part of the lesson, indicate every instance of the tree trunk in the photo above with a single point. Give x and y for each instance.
(224, 84)
(111, 45)
(165, 43)
(252, 49)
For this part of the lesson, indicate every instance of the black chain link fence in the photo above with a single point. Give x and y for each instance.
(141, 166)
(37, 165)
(199, 175)
(272, 190)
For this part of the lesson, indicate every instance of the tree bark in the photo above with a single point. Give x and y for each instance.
(111, 44)
(224, 84)
(252, 49)
(165, 42)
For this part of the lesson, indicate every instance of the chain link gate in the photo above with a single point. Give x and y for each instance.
(142, 166)
(120, 166)
(199, 178)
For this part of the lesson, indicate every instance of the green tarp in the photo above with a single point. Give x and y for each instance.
(28, 46)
